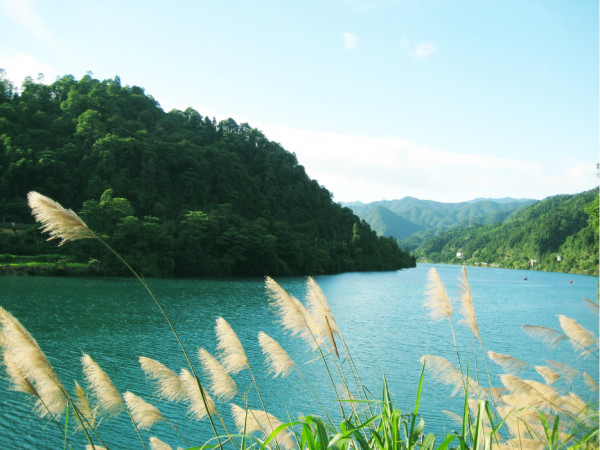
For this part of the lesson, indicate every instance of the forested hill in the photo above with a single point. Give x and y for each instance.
(176, 193)
(413, 221)
(558, 234)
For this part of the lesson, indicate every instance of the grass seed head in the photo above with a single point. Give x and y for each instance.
(221, 384)
(467, 308)
(144, 414)
(590, 382)
(567, 373)
(437, 301)
(18, 380)
(169, 383)
(293, 315)
(583, 341)
(257, 420)
(319, 307)
(232, 354)
(108, 397)
(59, 222)
(508, 363)
(27, 363)
(157, 444)
(279, 361)
(83, 404)
(193, 396)
(549, 375)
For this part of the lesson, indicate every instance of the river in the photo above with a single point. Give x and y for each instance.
(380, 315)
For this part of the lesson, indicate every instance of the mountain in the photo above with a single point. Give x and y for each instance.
(174, 192)
(558, 234)
(387, 223)
(500, 200)
(412, 220)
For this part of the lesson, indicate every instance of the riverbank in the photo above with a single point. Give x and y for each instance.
(46, 265)
(501, 266)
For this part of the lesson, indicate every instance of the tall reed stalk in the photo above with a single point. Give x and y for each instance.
(66, 225)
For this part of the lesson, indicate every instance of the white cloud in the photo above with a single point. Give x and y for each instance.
(20, 65)
(368, 169)
(350, 41)
(23, 13)
(421, 50)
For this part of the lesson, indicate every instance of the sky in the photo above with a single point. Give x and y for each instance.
(445, 100)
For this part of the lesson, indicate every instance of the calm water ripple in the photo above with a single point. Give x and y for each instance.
(380, 314)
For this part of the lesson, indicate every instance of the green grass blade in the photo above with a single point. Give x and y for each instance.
(416, 410)
(555, 431)
(449, 438)
(428, 442)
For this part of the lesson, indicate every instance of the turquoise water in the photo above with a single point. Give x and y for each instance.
(380, 315)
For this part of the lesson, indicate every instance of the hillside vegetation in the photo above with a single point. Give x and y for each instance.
(558, 234)
(174, 192)
(413, 221)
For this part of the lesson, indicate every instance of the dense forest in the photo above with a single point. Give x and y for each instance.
(558, 234)
(174, 192)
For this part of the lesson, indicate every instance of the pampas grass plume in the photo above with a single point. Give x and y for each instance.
(108, 397)
(583, 341)
(84, 406)
(221, 384)
(169, 383)
(256, 420)
(590, 382)
(194, 397)
(19, 382)
(319, 309)
(468, 310)
(592, 305)
(293, 315)
(232, 354)
(509, 363)
(446, 372)
(437, 301)
(59, 222)
(568, 373)
(318, 305)
(28, 367)
(279, 361)
(144, 414)
(549, 375)
(531, 393)
(547, 335)
(157, 444)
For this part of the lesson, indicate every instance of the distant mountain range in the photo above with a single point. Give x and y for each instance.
(412, 221)
(559, 233)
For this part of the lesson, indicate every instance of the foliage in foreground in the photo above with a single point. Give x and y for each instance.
(521, 414)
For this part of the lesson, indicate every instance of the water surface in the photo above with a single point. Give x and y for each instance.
(380, 315)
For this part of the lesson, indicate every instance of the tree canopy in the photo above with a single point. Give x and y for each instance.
(558, 234)
(177, 193)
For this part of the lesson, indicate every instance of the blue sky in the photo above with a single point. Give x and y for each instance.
(379, 99)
